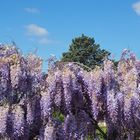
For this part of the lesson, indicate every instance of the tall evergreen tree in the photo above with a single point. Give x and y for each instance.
(84, 50)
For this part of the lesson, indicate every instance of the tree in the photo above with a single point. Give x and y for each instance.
(84, 50)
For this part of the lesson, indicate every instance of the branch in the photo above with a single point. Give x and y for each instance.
(82, 65)
(95, 123)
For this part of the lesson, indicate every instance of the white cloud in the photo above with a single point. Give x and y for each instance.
(32, 10)
(36, 31)
(136, 7)
(39, 35)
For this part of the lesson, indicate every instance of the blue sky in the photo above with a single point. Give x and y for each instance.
(48, 26)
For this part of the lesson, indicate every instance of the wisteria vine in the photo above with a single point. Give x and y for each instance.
(68, 103)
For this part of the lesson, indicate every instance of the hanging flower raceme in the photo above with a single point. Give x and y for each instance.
(97, 96)
(17, 116)
(70, 127)
(3, 120)
(111, 99)
(4, 81)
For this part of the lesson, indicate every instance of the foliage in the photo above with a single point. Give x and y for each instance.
(84, 50)
(69, 103)
(58, 115)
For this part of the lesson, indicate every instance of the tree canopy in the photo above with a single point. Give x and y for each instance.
(85, 50)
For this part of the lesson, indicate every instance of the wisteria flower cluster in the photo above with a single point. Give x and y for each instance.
(68, 103)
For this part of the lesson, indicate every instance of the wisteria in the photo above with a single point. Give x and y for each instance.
(68, 102)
